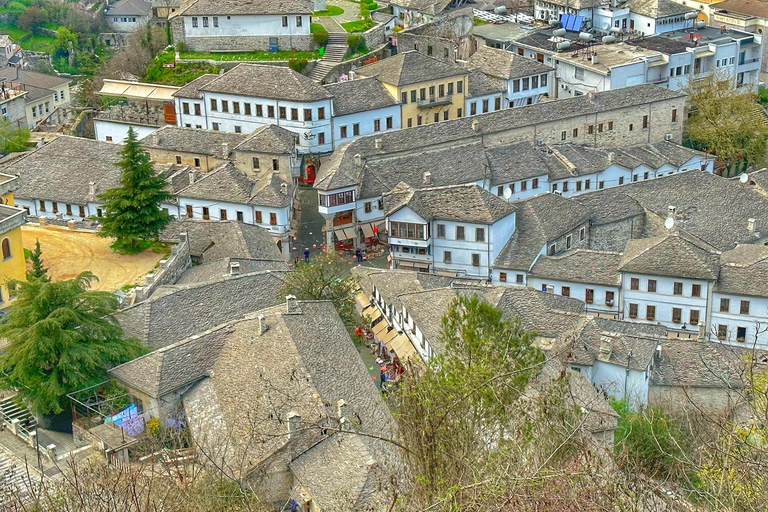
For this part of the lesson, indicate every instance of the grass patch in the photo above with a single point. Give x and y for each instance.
(316, 27)
(28, 40)
(254, 55)
(357, 53)
(478, 21)
(762, 97)
(181, 75)
(331, 10)
(358, 26)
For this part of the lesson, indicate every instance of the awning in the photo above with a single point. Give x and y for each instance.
(138, 90)
(380, 327)
(387, 337)
(345, 233)
(114, 88)
(703, 54)
(404, 264)
(403, 347)
(367, 230)
(372, 313)
(362, 300)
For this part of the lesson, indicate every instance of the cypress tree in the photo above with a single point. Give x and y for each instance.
(132, 213)
(38, 270)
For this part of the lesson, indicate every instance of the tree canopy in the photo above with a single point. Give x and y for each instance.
(132, 212)
(62, 337)
(38, 271)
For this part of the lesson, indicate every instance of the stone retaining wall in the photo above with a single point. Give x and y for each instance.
(343, 68)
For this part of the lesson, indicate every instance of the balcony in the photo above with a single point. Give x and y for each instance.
(435, 101)
(409, 242)
(11, 218)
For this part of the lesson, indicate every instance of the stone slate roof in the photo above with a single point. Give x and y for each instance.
(62, 169)
(409, 68)
(432, 7)
(227, 183)
(756, 8)
(760, 178)
(540, 219)
(674, 255)
(479, 84)
(128, 7)
(37, 85)
(520, 161)
(340, 170)
(220, 269)
(578, 4)
(192, 89)
(262, 81)
(174, 313)
(247, 7)
(193, 140)
(216, 240)
(546, 314)
(361, 95)
(269, 138)
(504, 64)
(630, 342)
(716, 213)
(744, 271)
(461, 203)
(580, 266)
(657, 8)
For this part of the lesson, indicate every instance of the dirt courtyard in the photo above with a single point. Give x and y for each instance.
(67, 253)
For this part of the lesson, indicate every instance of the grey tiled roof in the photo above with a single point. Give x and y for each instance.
(360, 95)
(215, 240)
(673, 255)
(546, 314)
(227, 183)
(760, 178)
(479, 84)
(128, 7)
(340, 171)
(192, 89)
(658, 8)
(38, 85)
(270, 139)
(539, 220)
(409, 68)
(174, 313)
(220, 269)
(744, 271)
(192, 140)
(461, 203)
(62, 169)
(245, 7)
(262, 81)
(520, 161)
(504, 64)
(580, 266)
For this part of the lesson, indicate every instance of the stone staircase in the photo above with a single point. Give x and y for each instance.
(15, 480)
(335, 51)
(10, 410)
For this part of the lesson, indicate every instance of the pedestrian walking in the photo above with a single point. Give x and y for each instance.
(359, 255)
(306, 256)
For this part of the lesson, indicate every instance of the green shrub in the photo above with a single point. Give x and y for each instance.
(355, 42)
(181, 47)
(297, 65)
(320, 38)
(372, 6)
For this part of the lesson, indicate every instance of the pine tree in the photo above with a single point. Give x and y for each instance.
(38, 270)
(132, 212)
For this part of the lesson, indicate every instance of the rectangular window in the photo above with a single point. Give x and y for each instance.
(240, 217)
(578, 186)
(437, 117)
(609, 298)
(677, 288)
(446, 113)
(259, 110)
(575, 132)
(447, 257)
(283, 114)
(601, 185)
(523, 185)
(298, 21)
(235, 107)
(270, 111)
(473, 108)
(450, 88)
(459, 112)
(722, 332)
(422, 94)
(725, 305)
(621, 180)
(222, 212)
(429, 49)
(404, 98)
(582, 234)
(459, 87)
(321, 112)
(273, 219)
(185, 108)
(54, 207)
(565, 291)
(34, 111)
(205, 21)
(694, 317)
(600, 128)
(565, 186)
(285, 21)
(275, 164)
(497, 103)
(197, 162)
(194, 21)
(485, 106)
(215, 21)
(441, 90)
(408, 230)
(441, 231)
(479, 234)
(377, 125)
(390, 123)
(224, 106)
(650, 312)
(367, 206)
(535, 183)
(413, 96)
(419, 121)
(247, 108)
(633, 311)
(674, 115)
(586, 185)
(190, 212)
(294, 114)
(515, 85)
(356, 129)
(677, 315)
(214, 106)
(645, 122)
(651, 286)
(543, 80)
(258, 217)
(553, 249)
(741, 334)
(178, 160)
(634, 283)
(568, 241)
(206, 213)
(255, 162)
(503, 277)
(475, 260)
(69, 209)
(459, 232)
(238, 129)
(519, 278)
(535, 82)
(743, 308)
(645, 176)
(578, 73)
(591, 129)
(610, 125)
(589, 296)
(696, 290)
(343, 132)
(410, 122)
(526, 83)
(563, 134)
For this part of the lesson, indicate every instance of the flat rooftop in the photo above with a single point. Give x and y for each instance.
(502, 32)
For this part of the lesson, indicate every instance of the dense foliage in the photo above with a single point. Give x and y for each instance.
(38, 271)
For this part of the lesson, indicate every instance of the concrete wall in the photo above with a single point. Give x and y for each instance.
(664, 300)
(366, 122)
(116, 132)
(579, 291)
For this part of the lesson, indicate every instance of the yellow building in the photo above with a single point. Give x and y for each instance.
(12, 264)
(429, 90)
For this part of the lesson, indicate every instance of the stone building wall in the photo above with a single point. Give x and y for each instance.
(614, 236)
(236, 43)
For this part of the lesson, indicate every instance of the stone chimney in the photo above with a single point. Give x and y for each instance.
(671, 210)
(550, 288)
(590, 95)
(611, 156)
(234, 268)
(284, 188)
(751, 225)
(40, 143)
(155, 139)
(291, 304)
(358, 160)
(263, 327)
(604, 353)
(475, 125)
(191, 177)
(378, 143)
(427, 178)
(92, 189)
(225, 150)
(341, 410)
(294, 425)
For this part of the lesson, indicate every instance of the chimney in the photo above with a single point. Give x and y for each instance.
(475, 125)
(225, 150)
(611, 156)
(284, 188)
(40, 143)
(751, 225)
(191, 177)
(671, 210)
(155, 139)
(427, 178)
(263, 327)
(550, 288)
(657, 353)
(358, 160)
(604, 353)
(294, 425)
(234, 268)
(378, 144)
(341, 409)
(92, 189)
(291, 304)
(590, 95)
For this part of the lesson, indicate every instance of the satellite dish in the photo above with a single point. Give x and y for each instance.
(744, 177)
(669, 223)
(507, 193)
